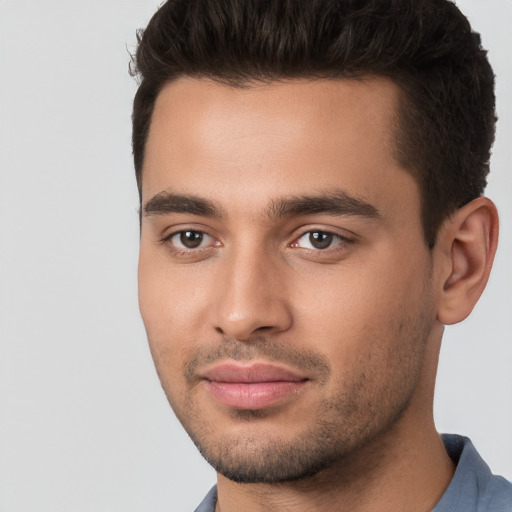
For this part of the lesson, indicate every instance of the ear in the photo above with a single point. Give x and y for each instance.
(468, 242)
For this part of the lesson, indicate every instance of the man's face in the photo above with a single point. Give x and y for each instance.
(285, 284)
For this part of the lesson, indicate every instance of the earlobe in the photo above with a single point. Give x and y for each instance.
(469, 239)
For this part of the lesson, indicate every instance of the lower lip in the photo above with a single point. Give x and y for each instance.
(254, 395)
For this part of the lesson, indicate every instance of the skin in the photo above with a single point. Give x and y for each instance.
(360, 320)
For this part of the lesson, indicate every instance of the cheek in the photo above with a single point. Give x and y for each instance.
(170, 299)
(376, 343)
(352, 313)
(161, 310)
(174, 304)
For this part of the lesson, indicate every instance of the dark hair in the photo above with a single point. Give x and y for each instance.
(447, 112)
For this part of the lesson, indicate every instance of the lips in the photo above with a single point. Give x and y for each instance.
(252, 387)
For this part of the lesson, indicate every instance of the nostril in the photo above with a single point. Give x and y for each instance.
(264, 328)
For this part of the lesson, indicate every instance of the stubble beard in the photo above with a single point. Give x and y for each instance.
(329, 441)
(367, 405)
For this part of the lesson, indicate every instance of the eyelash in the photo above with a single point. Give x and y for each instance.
(167, 240)
(338, 247)
(342, 240)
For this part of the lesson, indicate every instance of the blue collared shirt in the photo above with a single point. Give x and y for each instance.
(473, 487)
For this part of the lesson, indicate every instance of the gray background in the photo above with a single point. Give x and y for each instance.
(84, 424)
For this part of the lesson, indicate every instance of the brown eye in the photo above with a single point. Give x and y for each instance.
(320, 239)
(191, 239)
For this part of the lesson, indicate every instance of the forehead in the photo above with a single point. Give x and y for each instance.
(296, 136)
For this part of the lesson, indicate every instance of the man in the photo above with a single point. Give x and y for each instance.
(311, 176)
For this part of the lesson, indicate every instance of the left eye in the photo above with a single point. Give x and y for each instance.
(318, 240)
(190, 239)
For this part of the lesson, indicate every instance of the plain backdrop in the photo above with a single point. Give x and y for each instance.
(84, 425)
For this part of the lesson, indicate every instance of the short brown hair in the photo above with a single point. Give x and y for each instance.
(447, 114)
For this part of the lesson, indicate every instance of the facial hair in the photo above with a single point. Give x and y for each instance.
(365, 404)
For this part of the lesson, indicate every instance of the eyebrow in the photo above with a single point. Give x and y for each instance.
(168, 202)
(333, 202)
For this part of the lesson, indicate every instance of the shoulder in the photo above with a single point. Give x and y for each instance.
(209, 501)
(498, 495)
(473, 487)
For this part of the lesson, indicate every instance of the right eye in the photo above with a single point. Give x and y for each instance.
(189, 240)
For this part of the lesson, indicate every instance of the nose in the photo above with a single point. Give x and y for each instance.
(251, 297)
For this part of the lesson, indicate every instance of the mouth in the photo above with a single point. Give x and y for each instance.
(252, 387)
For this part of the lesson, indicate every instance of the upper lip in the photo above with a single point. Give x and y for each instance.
(257, 372)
